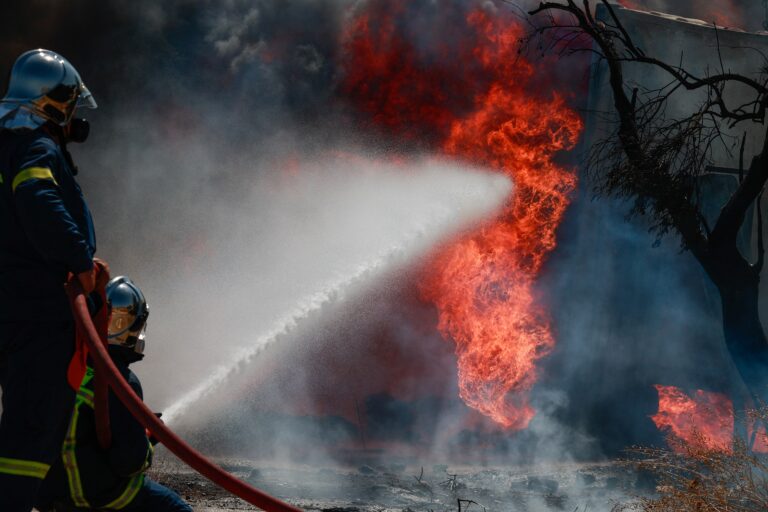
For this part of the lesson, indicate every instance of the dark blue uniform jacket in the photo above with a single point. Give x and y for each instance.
(105, 475)
(46, 228)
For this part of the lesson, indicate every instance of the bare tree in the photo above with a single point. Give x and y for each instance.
(655, 161)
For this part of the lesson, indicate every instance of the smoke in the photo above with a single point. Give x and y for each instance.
(295, 248)
(280, 277)
(652, 316)
(629, 315)
(211, 179)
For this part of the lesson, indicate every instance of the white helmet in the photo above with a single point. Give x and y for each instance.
(43, 87)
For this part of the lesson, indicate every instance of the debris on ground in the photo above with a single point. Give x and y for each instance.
(596, 487)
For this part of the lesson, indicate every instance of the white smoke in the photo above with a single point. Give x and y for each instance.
(301, 238)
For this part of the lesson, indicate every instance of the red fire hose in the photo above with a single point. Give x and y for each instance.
(196, 460)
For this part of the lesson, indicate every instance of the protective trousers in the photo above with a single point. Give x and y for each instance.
(154, 497)
(37, 404)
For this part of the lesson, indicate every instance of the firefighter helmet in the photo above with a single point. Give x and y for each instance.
(43, 87)
(128, 314)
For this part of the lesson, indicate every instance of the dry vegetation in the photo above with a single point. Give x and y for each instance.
(693, 477)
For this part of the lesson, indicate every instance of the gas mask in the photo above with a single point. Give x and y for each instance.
(77, 130)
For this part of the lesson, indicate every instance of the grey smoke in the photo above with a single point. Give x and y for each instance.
(206, 108)
(295, 248)
(203, 175)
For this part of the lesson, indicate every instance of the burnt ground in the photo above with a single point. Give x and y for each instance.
(593, 487)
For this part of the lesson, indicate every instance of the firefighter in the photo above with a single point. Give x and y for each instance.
(88, 476)
(46, 233)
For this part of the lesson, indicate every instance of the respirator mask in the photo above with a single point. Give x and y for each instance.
(77, 130)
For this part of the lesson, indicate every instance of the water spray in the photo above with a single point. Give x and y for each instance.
(332, 292)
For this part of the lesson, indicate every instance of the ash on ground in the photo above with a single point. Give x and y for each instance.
(594, 487)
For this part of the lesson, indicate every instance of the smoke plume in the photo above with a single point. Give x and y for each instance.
(281, 266)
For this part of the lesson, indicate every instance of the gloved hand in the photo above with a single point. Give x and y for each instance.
(87, 280)
(102, 273)
(96, 278)
(152, 439)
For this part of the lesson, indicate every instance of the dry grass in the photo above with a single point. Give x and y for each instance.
(693, 478)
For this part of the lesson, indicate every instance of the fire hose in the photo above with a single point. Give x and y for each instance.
(197, 461)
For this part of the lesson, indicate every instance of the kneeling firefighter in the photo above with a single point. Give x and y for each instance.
(87, 476)
(46, 234)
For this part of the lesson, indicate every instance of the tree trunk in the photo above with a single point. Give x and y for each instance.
(745, 338)
(748, 347)
(738, 284)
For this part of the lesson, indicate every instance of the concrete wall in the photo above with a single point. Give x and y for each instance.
(630, 315)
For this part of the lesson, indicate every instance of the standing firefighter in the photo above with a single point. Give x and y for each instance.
(46, 234)
(89, 476)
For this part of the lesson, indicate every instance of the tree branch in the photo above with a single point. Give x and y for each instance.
(732, 215)
(643, 166)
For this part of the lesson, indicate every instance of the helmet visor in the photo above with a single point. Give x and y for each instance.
(85, 98)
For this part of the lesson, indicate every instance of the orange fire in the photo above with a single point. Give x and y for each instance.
(705, 420)
(474, 101)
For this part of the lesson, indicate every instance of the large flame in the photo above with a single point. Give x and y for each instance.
(705, 419)
(474, 101)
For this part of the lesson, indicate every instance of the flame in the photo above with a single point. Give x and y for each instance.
(705, 420)
(474, 101)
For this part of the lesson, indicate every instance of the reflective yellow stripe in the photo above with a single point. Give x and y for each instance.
(88, 377)
(70, 463)
(130, 492)
(68, 457)
(20, 467)
(85, 397)
(150, 454)
(148, 459)
(32, 173)
(1, 179)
